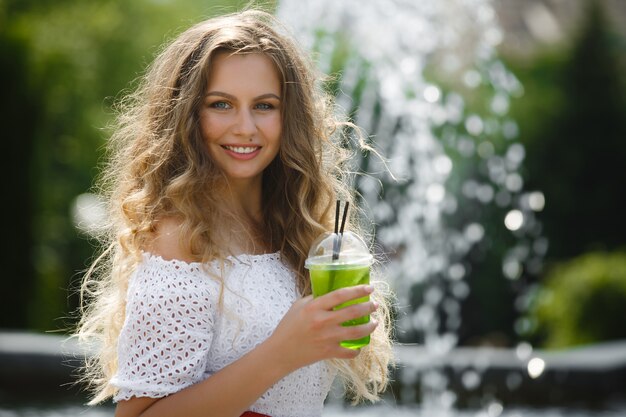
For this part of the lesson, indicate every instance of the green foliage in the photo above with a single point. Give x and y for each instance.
(582, 301)
(573, 119)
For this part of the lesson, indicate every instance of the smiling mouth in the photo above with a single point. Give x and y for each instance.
(242, 150)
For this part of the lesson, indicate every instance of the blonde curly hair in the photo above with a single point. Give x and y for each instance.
(159, 167)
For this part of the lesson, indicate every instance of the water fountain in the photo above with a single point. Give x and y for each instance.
(456, 163)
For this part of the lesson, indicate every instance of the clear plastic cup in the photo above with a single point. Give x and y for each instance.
(351, 267)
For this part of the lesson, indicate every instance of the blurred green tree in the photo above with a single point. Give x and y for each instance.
(574, 118)
(574, 124)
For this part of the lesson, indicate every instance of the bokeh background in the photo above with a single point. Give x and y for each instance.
(64, 63)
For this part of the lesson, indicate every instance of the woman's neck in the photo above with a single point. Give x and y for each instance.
(243, 200)
(242, 228)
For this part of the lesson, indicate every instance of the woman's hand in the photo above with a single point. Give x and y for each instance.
(311, 330)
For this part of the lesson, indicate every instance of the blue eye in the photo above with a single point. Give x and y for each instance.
(221, 105)
(264, 106)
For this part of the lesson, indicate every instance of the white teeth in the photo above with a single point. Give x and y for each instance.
(242, 149)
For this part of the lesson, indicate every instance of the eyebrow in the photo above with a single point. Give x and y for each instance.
(233, 98)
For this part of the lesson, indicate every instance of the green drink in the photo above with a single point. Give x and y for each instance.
(350, 268)
(327, 278)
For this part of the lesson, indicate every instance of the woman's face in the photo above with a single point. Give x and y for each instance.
(240, 118)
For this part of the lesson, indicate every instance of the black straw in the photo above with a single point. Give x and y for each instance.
(337, 216)
(345, 214)
(336, 239)
(339, 233)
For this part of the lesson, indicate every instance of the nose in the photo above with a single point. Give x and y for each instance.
(245, 125)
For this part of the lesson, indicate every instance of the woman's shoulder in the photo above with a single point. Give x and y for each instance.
(166, 241)
(165, 263)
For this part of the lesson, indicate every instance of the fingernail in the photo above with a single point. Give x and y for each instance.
(376, 305)
(369, 289)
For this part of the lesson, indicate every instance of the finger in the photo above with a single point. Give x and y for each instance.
(356, 332)
(340, 296)
(354, 311)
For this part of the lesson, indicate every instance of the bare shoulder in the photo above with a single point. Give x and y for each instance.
(167, 240)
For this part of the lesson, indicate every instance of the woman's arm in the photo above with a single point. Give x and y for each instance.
(309, 332)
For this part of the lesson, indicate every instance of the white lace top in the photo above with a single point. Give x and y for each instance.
(174, 334)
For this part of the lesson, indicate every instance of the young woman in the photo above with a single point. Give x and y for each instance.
(223, 172)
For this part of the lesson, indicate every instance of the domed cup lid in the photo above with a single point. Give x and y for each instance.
(352, 251)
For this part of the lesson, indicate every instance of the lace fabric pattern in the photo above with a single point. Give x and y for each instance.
(175, 334)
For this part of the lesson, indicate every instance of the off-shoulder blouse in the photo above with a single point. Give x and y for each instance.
(177, 333)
